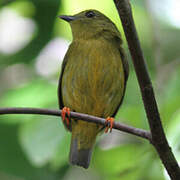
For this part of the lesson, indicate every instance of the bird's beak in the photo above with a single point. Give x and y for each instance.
(67, 18)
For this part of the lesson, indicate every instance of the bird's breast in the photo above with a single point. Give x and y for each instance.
(93, 78)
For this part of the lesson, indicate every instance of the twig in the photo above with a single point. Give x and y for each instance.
(158, 136)
(122, 127)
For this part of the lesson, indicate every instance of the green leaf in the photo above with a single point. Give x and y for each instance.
(61, 156)
(173, 134)
(14, 164)
(117, 162)
(171, 103)
(40, 139)
(128, 162)
(34, 94)
(37, 93)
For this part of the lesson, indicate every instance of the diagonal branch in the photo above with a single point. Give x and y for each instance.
(158, 136)
(120, 126)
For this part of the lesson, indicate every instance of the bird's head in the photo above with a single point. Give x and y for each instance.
(90, 23)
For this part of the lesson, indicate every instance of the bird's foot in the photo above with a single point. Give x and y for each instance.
(109, 124)
(66, 115)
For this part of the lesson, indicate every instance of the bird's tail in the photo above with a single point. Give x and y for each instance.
(82, 141)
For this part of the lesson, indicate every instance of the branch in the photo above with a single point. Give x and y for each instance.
(122, 127)
(158, 136)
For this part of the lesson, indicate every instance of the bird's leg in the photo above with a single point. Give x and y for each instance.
(66, 115)
(109, 123)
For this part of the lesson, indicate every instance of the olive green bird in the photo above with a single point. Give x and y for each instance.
(93, 79)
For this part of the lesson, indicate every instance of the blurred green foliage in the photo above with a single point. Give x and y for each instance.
(34, 147)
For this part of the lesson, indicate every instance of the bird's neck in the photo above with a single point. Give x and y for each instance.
(97, 34)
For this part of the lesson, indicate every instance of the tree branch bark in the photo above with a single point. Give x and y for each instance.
(120, 126)
(158, 136)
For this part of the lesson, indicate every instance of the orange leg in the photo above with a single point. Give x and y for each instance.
(109, 121)
(65, 113)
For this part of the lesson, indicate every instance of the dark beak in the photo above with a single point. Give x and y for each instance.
(67, 18)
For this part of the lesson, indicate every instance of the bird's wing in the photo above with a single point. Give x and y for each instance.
(126, 70)
(60, 99)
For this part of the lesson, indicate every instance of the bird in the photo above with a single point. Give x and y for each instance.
(93, 80)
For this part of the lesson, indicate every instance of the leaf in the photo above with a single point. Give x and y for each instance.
(61, 156)
(40, 139)
(34, 94)
(117, 161)
(128, 162)
(173, 134)
(14, 163)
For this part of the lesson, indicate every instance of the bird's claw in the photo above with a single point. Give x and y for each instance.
(109, 124)
(66, 115)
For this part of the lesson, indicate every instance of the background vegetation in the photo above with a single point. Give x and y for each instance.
(33, 42)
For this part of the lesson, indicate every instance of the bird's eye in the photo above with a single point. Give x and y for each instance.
(90, 14)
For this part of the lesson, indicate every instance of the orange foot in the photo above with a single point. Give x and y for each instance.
(109, 121)
(66, 115)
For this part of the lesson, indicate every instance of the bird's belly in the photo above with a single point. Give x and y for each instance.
(94, 84)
